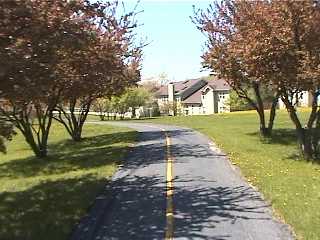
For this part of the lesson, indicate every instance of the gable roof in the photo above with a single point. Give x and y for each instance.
(195, 98)
(218, 84)
(179, 87)
(196, 86)
(190, 90)
(184, 85)
(163, 91)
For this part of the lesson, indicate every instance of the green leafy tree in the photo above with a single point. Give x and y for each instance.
(120, 105)
(237, 103)
(170, 108)
(136, 97)
(103, 106)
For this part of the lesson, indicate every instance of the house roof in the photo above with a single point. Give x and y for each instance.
(182, 86)
(163, 91)
(191, 90)
(194, 98)
(179, 87)
(218, 84)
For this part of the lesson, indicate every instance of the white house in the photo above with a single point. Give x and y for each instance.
(302, 100)
(194, 97)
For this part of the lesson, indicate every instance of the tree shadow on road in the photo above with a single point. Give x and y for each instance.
(150, 150)
(141, 211)
(141, 214)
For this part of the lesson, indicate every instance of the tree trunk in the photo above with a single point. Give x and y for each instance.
(316, 136)
(72, 121)
(272, 116)
(43, 150)
(314, 121)
(305, 143)
(102, 117)
(37, 138)
(78, 125)
(29, 137)
(34, 120)
(303, 135)
(264, 131)
(133, 112)
(77, 134)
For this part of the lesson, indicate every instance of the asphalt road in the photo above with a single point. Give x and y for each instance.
(210, 200)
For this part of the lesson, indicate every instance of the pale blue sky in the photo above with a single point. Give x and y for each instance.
(176, 45)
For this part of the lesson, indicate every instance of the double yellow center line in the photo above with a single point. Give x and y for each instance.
(169, 191)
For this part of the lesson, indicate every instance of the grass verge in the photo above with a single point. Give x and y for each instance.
(45, 198)
(289, 183)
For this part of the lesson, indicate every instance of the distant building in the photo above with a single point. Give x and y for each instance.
(194, 97)
(304, 99)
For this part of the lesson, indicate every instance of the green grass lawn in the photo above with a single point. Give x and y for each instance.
(45, 198)
(289, 183)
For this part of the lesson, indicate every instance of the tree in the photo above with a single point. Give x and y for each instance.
(33, 36)
(274, 43)
(294, 66)
(163, 79)
(136, 97)
(229, 38)
(237, 103)
(120, 106)
(102, 106)
(150, 85)
(287, 56)
(116, 64)
(169, 108)
(6, 131)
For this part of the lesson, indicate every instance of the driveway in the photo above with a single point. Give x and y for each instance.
(210, 199)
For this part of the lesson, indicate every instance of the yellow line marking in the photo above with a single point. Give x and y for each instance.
(169, 192)
(169, 186)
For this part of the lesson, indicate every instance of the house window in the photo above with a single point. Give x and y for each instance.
(222, 96)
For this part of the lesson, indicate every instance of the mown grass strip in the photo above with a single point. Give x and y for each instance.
(45, 198)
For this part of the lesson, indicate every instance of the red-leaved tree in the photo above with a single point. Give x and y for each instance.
(232, 42)
(105, 65)
(32, 35)
(270, 43)
(53, 52)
